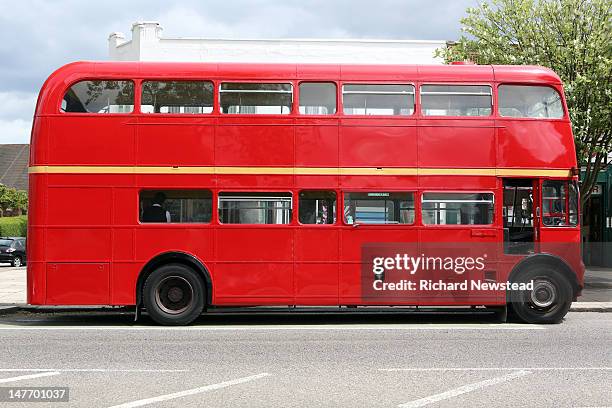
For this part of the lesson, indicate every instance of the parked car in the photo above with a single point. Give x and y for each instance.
(13, 250)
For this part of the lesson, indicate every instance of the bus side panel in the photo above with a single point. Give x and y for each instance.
(101, 140)
(254, 144)
(353, 240)
(367, 145)
(316, 265)
(439, 140)
(254, 265)
(535, 144)
(35, 241)
(175, 141)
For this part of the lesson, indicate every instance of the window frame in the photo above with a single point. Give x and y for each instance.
(494, 215)
(340, 92)
(136, 101)
(535, 84)
(141, 81)
(336, 207)
(175, 224)
(298, 93)
(492, 96)
(385, 225)
(219, 91)
(567, 201)
(236, 193)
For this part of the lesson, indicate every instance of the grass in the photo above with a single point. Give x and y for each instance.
(14, 226)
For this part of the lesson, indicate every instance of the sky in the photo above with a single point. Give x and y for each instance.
(37, 36)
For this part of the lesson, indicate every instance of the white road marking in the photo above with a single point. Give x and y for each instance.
(90, 370)
(285, 328)
(462, 390)
(28, 377)
(211, 387)
(499, 369)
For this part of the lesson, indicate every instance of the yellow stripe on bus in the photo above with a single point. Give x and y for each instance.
(345, 171)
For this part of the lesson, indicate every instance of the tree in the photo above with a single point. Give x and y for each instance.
(573, 38)
(10, 198)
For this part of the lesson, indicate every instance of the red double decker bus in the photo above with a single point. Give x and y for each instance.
(184, 186)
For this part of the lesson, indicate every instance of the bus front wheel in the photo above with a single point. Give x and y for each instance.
(549, 300)
(174, 295)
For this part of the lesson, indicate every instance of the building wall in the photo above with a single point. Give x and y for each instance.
(147, 44)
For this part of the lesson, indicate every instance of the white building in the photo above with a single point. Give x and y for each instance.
(147, 44)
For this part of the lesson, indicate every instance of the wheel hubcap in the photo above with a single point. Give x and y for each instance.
(544, 294)
(174, 294)
(17, 262)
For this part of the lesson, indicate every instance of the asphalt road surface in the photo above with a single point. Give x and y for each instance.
(302, 360)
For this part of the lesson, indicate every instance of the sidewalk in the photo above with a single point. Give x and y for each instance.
(596, 296)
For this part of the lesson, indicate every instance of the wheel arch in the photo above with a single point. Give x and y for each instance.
(549, 260)
(177, 257)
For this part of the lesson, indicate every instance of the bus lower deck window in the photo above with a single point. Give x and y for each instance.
(176, 206)
(559, 203)
(255, 208)
(379, 208)
(317, 207)
(457, 208)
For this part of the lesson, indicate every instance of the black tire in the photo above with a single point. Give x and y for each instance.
(174, 295)
(548, 302)
(17, 261)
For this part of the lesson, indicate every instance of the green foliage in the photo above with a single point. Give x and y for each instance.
(17, 200)
(572, 37)
(14, 226)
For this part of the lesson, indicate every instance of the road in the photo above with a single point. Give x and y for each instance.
(305, 360)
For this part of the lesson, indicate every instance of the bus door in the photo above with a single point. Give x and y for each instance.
(521, 214)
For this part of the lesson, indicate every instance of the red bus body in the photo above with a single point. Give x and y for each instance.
(86, 245)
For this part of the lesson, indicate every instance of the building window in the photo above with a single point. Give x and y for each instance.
(392, 100)
(99, 97)
(524, 101)
(559, 203)
(458, 208)
(379, 208)
(317, 207)
(317, 98)
(456, 100)
(255, 208)
(256, 98)
(181, 97)
(176, 206)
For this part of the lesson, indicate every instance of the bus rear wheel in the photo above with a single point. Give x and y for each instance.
(548, 302)
(174, 295)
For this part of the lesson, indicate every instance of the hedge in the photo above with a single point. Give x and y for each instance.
(14, 226)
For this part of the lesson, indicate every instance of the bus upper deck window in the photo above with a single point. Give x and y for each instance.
(526, 101)
(99, 97)
(180, 97)
(317, 98)
(256, 98)
(456, 100)
(378, 99)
